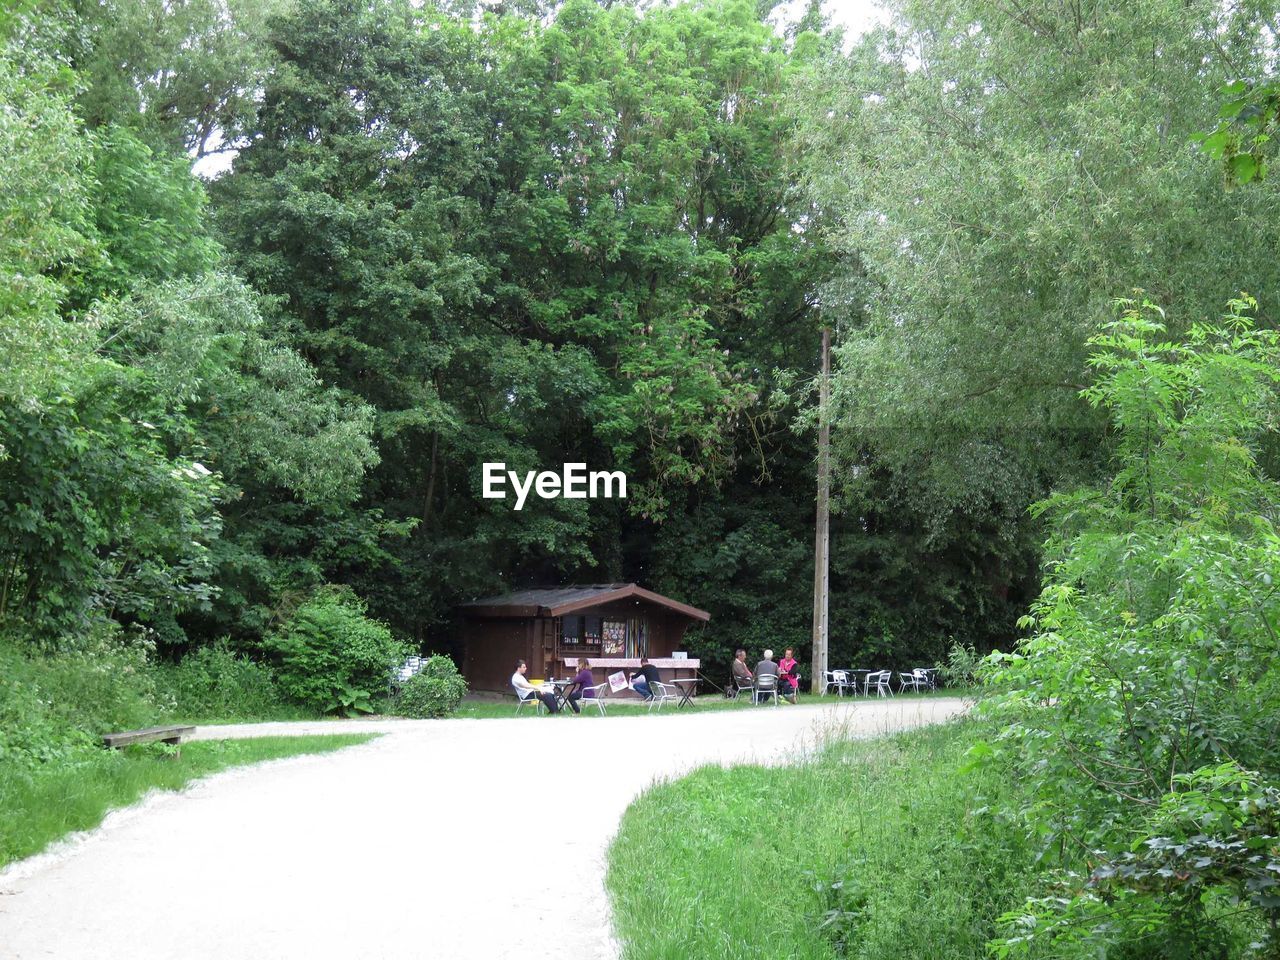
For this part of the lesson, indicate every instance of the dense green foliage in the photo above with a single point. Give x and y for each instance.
(534, 233)
(996, 175)
(573, 243)
(446, 239)
(213, 683)
(54, 708)
(1145, 701)
(916, 861)
(332, 657)
(435, 691)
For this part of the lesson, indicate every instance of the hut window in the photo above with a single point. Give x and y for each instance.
(591, 630)
(571, 629)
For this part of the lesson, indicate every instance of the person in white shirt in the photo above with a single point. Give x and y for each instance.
(524, 689)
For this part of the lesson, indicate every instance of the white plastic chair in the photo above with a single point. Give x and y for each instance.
(742, 685)
(908, 681)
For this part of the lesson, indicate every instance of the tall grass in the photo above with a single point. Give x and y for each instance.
(883, 848)
(37, 807)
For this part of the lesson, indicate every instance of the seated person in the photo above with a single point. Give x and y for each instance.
(742, 677)
(581, 681)
(646, 675)
(526, 690)
(789, 668)
(767, 668)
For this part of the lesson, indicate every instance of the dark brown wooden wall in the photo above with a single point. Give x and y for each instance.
(492, 649)
(494, 644)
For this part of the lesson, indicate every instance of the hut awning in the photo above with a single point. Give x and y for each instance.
(559, 601)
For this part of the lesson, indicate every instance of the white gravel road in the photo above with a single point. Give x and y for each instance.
(449, 839)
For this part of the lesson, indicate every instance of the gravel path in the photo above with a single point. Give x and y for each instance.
(406, 847)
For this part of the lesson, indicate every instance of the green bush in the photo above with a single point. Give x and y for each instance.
(332, 657)
(213, 682)
(961, 667)
(53, 708)
(1141, 710)
(434, 692)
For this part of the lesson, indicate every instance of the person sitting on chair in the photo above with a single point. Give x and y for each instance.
(788, 667)
(646, 675)
(767, 668)
(526, 690)
(742, 678)
(580, 683)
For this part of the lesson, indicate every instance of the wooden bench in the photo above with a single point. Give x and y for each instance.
(172, 735)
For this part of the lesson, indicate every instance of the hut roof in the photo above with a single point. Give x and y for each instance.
(558, 601)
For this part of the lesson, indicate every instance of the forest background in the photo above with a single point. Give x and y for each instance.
(530, 233)
(242, 420)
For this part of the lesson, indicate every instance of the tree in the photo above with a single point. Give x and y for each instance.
(1142, 709)
(531, 243)
(998, 175)
(182, 76)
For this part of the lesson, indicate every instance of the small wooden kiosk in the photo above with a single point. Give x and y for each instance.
(611, 625)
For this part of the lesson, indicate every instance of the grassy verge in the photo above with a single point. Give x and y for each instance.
(484, 708)
(38, 807)
(877, 848)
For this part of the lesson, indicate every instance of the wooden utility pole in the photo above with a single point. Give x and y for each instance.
(822, 534)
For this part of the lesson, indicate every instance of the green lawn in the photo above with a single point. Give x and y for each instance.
(877, 849)
(484, 707)
(38, 808)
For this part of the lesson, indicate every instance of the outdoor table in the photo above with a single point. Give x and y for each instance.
(561, 687)
(686, 692)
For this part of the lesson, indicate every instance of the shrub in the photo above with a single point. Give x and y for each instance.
(961, 667)
(332, 657)
(53, 708)
(215, 682)
(1143, 705)
(436, 691)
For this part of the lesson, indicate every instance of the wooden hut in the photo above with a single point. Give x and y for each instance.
(611, 625)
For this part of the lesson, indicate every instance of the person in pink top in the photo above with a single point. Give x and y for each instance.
(787, 668)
